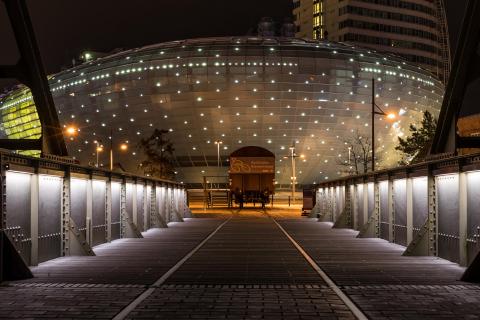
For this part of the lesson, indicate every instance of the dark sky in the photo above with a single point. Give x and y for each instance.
(65, 28)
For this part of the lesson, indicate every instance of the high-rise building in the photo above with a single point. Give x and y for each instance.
(414, 29)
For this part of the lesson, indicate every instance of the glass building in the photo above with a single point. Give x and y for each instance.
(267, 92)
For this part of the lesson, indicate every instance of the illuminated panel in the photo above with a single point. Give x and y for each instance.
(19, 117)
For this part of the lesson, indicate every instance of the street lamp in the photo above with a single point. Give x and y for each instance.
(71, 130)
(98, 149)
(390, 116)
(294, 177)
(218, 143)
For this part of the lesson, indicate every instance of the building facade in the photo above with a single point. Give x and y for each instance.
(242, 91)
(414, 29)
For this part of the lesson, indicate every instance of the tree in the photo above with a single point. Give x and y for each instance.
(356, 155)
(416, 146)
(159, 155)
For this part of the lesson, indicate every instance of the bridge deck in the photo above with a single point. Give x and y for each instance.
(248, 269)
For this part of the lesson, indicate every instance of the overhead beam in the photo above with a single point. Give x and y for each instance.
(21, 144)
(465, 70)
(30, 71)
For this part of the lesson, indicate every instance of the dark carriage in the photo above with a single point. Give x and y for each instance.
(252, 175)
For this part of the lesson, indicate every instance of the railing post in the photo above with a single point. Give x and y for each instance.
(432, 215)
(3, 197)
(108, 210)
(391, 210)
(134, 204)
(333, 197)
(65, 214)
(462, 216)
(123, 209)
(365, 203)
(376, 208)
(145, 207)
(89, 213)
(34, 200)
(354, 206)
(409, 207)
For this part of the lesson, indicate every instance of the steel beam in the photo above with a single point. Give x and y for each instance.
(89, 212)
(462, 216)
(108, 210)
(409, 208)
(391, 210)
(34, 204)
(465, 71)
(30, 71)
(21, 144)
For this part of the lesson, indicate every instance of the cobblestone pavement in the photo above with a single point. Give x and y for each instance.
(247, 270)
(243, 302)
(101, 286)
(382, 282)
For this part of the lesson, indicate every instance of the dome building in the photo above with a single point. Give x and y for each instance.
(270, 92)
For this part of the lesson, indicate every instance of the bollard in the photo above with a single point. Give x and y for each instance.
(289, 201)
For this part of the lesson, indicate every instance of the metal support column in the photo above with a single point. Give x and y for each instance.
(3, 196)
(145, 207)
(123, 209)
(391, 211)
(153, 206)
(66, 215)
(34, 198)
(333, 192)
(89, 213)
(462, 215)
(432, 215)
(355, 206)
(108, 210)
(365, 203)
(134, 204)
(73, 242)
(409, 207)
(376, 208)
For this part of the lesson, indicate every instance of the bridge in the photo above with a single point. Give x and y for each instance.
(83, 242)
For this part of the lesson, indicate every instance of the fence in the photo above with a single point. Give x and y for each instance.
(431, 208)
(52, 209)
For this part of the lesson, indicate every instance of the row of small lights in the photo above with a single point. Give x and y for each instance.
(204, 64)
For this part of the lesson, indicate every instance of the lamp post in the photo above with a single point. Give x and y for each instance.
(374, 112)
(72, 131)
(218, 143)
(98, 150)
(294, 178)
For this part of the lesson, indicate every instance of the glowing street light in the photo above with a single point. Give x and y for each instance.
(124, 147)
(391, 116)
(71, 130)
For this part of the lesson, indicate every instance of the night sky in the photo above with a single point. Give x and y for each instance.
(65, 28)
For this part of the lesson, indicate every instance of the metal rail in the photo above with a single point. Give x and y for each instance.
(430, 208)
(51, 208)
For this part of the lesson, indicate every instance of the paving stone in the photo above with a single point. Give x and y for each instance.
(248, 270)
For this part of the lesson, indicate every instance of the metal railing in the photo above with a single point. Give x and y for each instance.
(431, 208)
(50, 208)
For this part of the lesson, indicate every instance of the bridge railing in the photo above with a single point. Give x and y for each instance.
(51, 209)
(432, 208)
